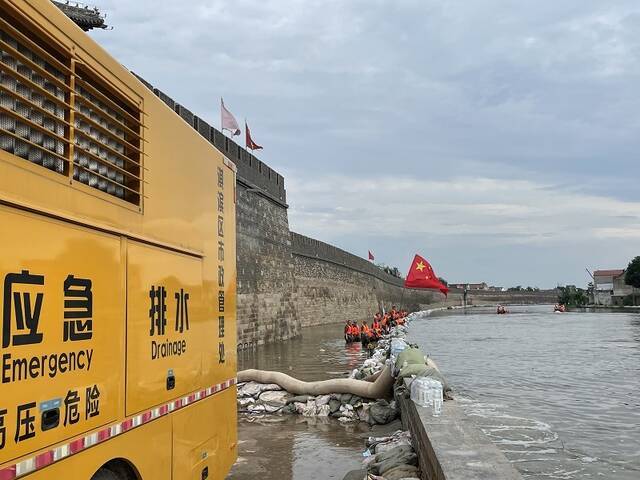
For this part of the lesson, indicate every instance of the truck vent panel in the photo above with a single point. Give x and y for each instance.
(107, 144)
(61, 115)
(33, 103)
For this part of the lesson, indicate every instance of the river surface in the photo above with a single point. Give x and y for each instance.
(559, 394)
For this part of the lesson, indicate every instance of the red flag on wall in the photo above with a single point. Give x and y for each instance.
(421, 275)
(371, 257)
(249, 141)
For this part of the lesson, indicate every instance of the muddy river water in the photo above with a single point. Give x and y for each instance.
(559, 394)
(292, 446)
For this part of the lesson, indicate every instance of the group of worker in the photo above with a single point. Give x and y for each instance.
(382, 323)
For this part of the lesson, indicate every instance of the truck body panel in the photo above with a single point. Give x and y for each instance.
(164, 345)
(109, 203)
(62, 330)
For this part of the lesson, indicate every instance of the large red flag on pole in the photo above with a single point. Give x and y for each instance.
(421, 275)
(248, 140)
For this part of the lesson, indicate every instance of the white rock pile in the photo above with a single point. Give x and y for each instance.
(258, 398)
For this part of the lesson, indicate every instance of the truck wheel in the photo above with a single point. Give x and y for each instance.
(104, 474)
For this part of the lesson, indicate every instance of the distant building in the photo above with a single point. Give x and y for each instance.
(609, 287)
(621, 290)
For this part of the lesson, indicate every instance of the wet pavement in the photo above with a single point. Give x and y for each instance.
(294, 447)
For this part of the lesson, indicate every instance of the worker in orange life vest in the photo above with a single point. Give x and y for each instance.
(347, 331)
(365, 333)
(384, 323)
(355, 332)
(376, 327)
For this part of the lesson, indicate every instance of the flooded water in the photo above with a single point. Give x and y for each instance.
(291, 447)
(558, 393)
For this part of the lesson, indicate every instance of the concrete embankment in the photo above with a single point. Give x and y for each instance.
(450, 446)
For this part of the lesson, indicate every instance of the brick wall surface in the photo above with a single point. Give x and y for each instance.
(333, 285)
(266, 285)
(281, 289)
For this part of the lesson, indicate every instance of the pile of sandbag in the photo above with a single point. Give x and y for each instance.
(264, 398)
(260, 398)
(378, 359)
(376, 362)
(388, 458)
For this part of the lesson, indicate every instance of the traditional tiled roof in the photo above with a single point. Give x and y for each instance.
(607, 273)
(84, 16)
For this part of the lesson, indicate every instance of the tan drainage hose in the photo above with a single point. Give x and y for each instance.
(381, 388)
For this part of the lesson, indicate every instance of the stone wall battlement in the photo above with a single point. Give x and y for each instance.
(315, 249)
(251, 171)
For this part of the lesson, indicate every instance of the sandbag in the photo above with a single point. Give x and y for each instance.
(417, 367)
(410, 355)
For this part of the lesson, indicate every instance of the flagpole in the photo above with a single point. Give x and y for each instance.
(246, 147)
(402, 296)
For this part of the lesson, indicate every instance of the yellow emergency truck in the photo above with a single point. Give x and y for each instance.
(117, 269)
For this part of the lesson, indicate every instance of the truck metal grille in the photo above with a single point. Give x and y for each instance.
(32, 105)
(59, 114)
(107, 141)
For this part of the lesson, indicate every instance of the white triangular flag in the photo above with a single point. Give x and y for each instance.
(228, 121)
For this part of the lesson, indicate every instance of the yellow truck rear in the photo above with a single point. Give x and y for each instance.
(117, 263)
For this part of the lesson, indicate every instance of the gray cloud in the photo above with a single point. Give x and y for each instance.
(535, 102)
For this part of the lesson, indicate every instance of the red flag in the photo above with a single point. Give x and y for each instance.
(371, 257)
(421, 275)
(249, 141)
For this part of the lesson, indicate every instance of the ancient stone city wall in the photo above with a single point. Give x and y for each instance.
(333, 285)
(287, 281)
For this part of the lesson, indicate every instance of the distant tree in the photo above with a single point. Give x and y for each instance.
(530, 289)
(632, 275)
(390, 270)
(572, 296)
(443, 281)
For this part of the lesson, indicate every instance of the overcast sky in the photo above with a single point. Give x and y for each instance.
(499, 139)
